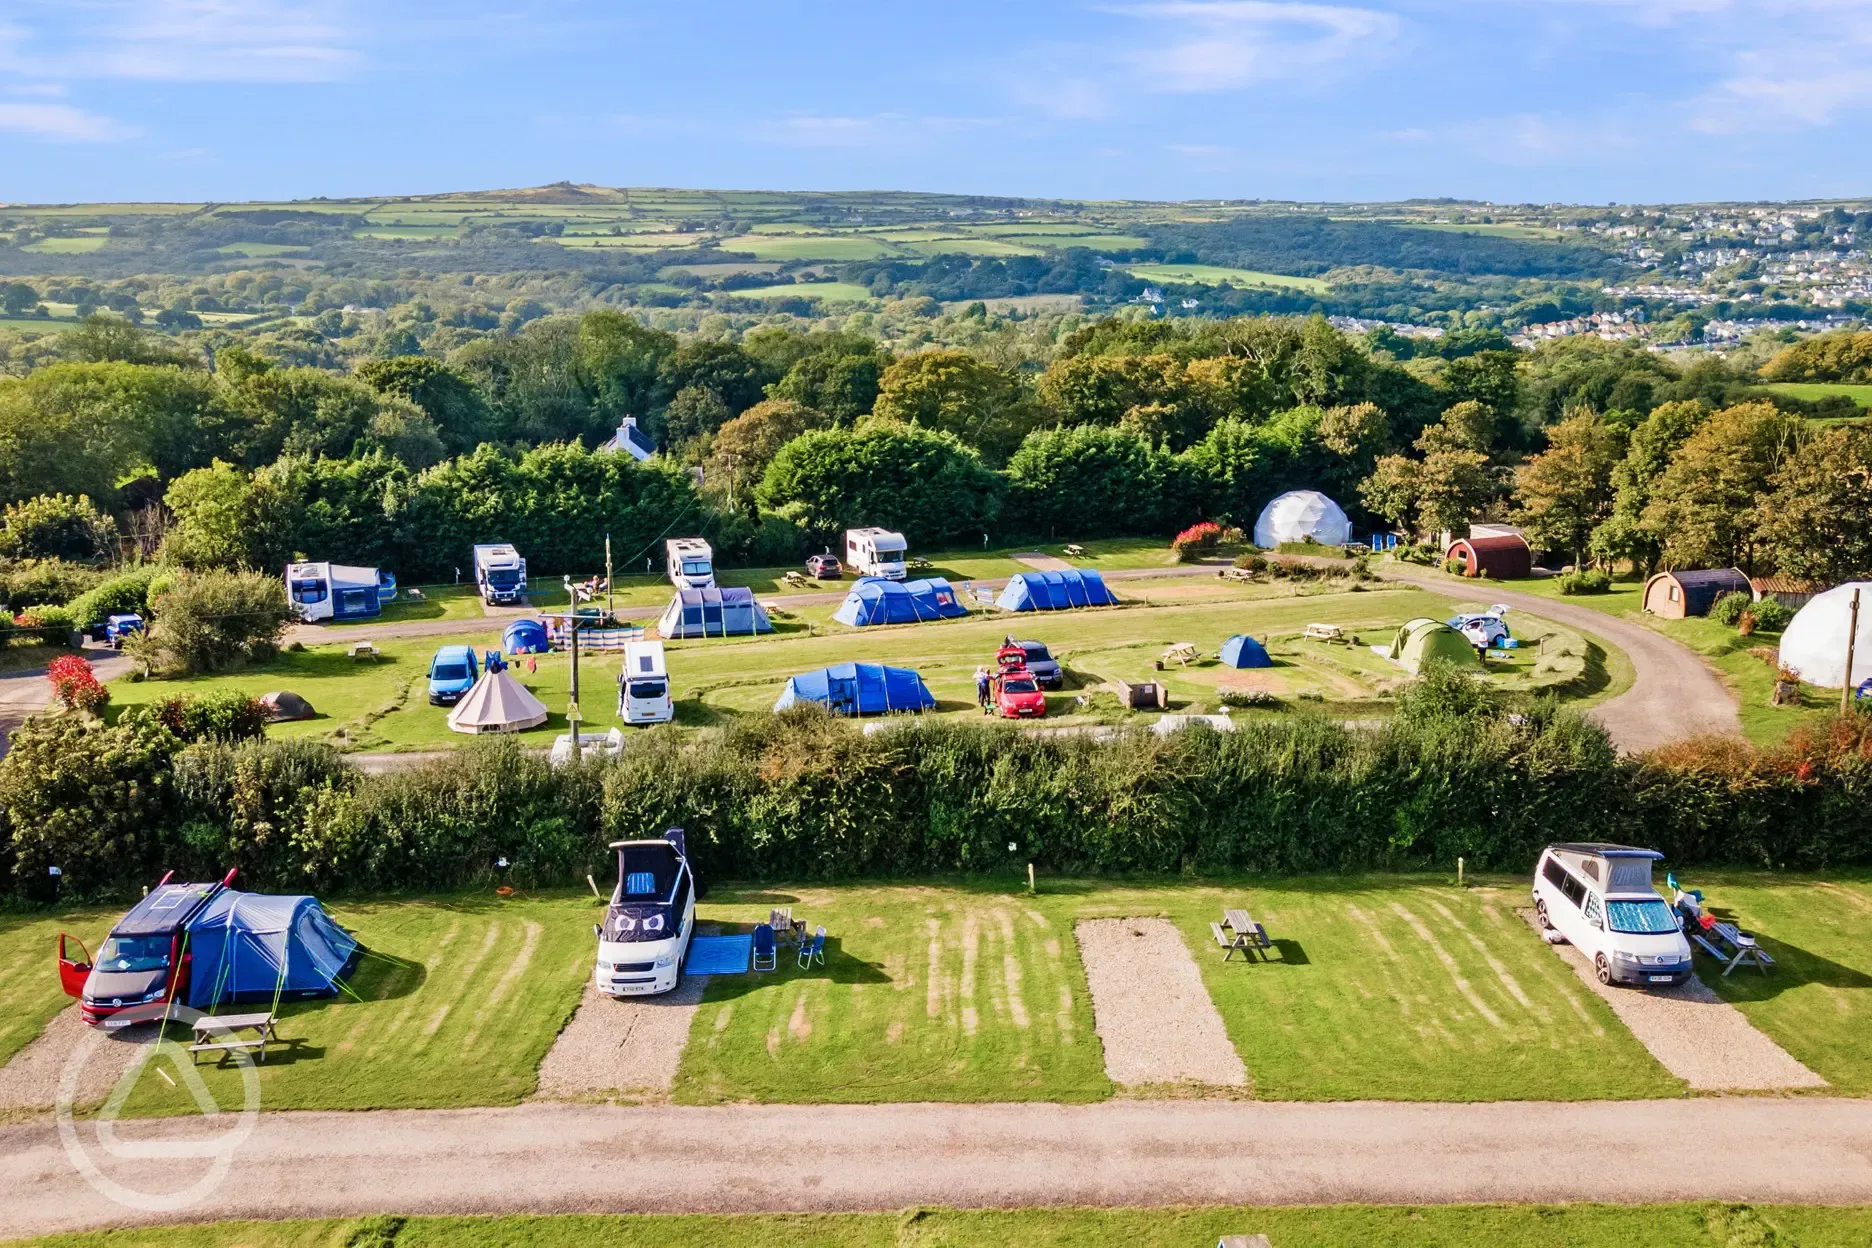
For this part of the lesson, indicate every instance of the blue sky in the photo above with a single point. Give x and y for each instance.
(1509, 100)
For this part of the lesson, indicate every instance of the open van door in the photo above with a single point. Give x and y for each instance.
(72, 972)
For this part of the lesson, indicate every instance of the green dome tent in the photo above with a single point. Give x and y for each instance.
(1421, 640)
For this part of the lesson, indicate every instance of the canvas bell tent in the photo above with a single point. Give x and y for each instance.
(253, 947)
(714, 613)
(874, 600)
(1055, 591)
(1814, 642)
(1301, 514)
(497, 703)
(859, 689)
(1420, 641)
(1244, 651)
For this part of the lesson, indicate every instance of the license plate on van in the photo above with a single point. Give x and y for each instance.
(1662, 979)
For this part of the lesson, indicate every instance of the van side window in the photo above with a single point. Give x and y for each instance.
(1555, 873)
(1591, 868)
(1592, 909)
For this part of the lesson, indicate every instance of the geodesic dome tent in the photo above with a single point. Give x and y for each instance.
(1814, 642)
(1298, 515)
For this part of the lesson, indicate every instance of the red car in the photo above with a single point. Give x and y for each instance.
(824, 568)
(1018, 696)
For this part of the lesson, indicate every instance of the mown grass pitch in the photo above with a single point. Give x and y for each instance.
(1702, 1225)
(29, 982)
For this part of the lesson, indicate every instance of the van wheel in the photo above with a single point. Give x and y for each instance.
(1602, 970)
(1540, 912)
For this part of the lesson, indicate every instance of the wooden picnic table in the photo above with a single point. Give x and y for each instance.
(227, 1024)
(1242, 933)
(1324, 632)
(1183, 652)
(1075, 551)
(1742, 947)
(365, 650)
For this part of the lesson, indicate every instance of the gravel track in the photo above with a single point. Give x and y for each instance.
(1151, 1008)
(628, 1045)
(31, 1079)
(1694, 1033)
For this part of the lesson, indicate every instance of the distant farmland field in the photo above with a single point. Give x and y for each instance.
(810, 246)
(1808, 391)
(1216, 275)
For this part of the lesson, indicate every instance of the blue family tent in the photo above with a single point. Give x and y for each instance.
(874, 600)
(1244, 651)
(256, 947)
(714, 613)
(1055, 591)
(859, 689)
(525, 637)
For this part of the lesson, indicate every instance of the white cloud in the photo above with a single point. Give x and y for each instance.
(60, 122)
(1226, 45)
(217, 41)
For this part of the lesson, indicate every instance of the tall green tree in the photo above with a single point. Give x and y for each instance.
(1623, 535)
(1816, 519)
(450, 400)
(955, 392)
(1087, 481)
(1702, 510)
(925, 484)
(1566, 491)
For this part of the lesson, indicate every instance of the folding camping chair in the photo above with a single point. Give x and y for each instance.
(813, 950)
(766, 956)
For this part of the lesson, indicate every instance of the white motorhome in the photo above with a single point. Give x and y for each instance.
(875, 552)
(500, 574)
(1599, 897)
(645, 935)
(643, 685)
(690, 563)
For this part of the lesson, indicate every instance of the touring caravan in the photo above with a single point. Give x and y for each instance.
(331, 591)
(647, 926)
(643, 685)
(690, 563)
(875, 552)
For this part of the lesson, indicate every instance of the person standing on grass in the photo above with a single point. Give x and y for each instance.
(981, 688)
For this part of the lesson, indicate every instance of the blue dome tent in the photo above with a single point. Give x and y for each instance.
(1055, 591)
(525, 637)
(874, 600)
(859, 689)
(255, 947)
(1244, 651)
(730, 612)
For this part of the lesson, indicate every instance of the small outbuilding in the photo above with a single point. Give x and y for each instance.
(497, 703)
(525, 637)
(730, 612)
(1055, 591)
(1299, 515)
(1785, 590)
(1814, 642)
(1500, 556)
(874, 600)
(858, 689)
(1677, 595)
(1242, 650)
(1422, 640)
(256, 947)
(281, 706)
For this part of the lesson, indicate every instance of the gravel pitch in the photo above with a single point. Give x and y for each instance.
(627, 1045)
(1151, 1009)
(1694, 1033)
(31, 1079)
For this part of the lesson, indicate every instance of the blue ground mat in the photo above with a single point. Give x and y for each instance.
(718, 955)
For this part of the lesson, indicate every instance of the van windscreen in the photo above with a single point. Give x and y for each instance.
(1641, 918)
(448, 671)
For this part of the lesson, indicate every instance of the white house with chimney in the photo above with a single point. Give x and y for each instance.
(631, 440)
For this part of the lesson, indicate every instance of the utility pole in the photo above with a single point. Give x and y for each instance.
(610, 605)
(572, 707)
(1852, 638)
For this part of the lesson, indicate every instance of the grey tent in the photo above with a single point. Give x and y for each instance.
(282, 706)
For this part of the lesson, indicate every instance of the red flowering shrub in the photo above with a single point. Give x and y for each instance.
(1197, 540)
(74, 685)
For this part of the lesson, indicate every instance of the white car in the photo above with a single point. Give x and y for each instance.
(1599, 897)
(645, 935)
(1487, 629)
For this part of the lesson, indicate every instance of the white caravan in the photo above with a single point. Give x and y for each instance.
(690, 563)
(875, 552)
(645, 935)
(643, 685)
(1600, 898)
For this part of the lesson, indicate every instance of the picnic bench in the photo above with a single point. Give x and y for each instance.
(364, 650)
(1324, 632)
(798, 580)
(917, 563)
(1235, 574)
(1238, 930)
(1730, 945)
(1074, 551)
(1183, 652)
(227, 1025)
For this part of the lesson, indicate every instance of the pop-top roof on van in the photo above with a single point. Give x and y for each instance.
(1604, 849)
(643, 658)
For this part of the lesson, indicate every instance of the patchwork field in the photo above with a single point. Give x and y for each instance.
(455, 1003)
(1702, 1225)
(1217, 275)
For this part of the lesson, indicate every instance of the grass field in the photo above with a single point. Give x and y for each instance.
(1817, 1002)
(384, 705)
(1704, 1225)
(1497, 229)
(1811, 390)
(828, 292)
(455, 1003)
(67, 246)
(38, 324)
(1216, 275)
(927, 994)
(29, 982)
(809, 246)
(260, 250)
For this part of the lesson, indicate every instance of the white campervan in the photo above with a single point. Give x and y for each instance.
(650, 919)
(689, 562)
(643, 685)
(1600, 898)
(876, 552)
